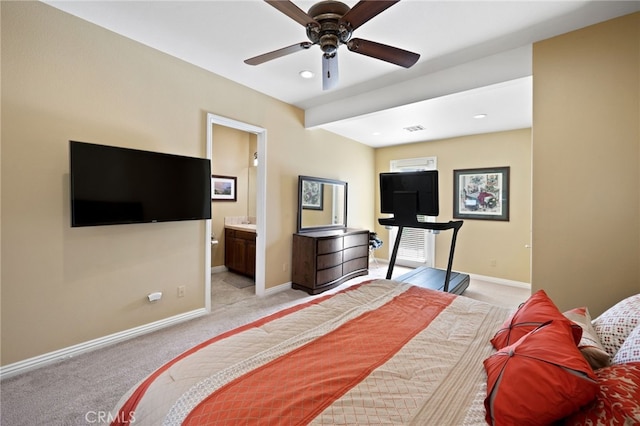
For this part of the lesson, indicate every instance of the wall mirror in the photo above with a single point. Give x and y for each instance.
(322, 204)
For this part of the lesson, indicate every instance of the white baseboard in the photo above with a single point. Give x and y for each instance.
(29, 364)
(218, 269)
(500, 281)
(277, 289)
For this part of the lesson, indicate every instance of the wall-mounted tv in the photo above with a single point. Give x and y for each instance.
(398, 190)
(112, 185)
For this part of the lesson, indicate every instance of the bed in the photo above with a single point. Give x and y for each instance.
(381, 352)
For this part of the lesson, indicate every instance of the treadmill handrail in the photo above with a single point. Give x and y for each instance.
(436, 226)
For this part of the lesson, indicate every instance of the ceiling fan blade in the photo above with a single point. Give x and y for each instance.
(391, 54)
(365, 10)
(292, 11)
(329, 71)
(257, 60)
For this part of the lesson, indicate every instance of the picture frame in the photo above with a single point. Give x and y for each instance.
(481, 193)
(312, 195)
(223, 188)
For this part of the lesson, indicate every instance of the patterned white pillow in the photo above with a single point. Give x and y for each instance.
(630, 349)
(617, 322)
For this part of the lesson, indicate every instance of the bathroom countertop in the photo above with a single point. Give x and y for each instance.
(249, 227)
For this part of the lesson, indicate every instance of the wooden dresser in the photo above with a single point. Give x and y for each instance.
(325, 259)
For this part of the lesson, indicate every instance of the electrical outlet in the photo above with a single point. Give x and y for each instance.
(493, 262)
(181, 291)
(284, 267)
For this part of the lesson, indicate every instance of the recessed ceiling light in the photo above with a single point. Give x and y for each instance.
(376, 133)
(480, 116)
(306, 74)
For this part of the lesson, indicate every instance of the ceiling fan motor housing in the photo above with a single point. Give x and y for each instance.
(331, 32)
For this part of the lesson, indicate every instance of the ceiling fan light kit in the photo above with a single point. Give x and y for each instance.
(329, 24)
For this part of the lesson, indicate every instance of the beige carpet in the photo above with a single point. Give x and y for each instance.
(80, 390)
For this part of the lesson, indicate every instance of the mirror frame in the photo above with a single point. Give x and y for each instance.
(302, 229)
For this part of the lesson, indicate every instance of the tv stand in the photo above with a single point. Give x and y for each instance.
(433, 278)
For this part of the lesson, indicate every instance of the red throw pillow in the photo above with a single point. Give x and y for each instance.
(618, 398)
(538, 380)
(537, 310)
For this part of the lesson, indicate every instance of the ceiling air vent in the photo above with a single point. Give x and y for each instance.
(414, 128)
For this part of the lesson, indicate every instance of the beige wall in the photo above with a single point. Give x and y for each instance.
(479, 241)
(586, 156)
(230, 157)
(64, 78)
(252, 185)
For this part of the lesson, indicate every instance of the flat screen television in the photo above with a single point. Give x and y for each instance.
(399, 190)
(112, 185)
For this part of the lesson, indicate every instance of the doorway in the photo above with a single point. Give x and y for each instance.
(261, 135)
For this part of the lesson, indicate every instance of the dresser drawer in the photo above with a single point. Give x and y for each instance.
(329, 245)
(354, 252)
(329, 260)
(354, 265)
(361, 239)
(327, 275)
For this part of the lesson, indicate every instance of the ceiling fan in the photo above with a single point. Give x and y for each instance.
(331, 23)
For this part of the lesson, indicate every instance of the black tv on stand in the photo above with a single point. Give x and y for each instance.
(410, 193)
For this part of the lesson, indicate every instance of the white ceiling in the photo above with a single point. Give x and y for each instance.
(475, 58)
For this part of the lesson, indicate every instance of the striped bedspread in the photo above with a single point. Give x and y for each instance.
(381, 352)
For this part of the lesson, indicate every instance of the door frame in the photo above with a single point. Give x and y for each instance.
(261, 211)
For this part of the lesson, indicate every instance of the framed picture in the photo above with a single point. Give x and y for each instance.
(223, 188)
(481, 194)
(312, 195)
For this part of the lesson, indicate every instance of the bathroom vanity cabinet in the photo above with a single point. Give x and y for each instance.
(240, 251)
